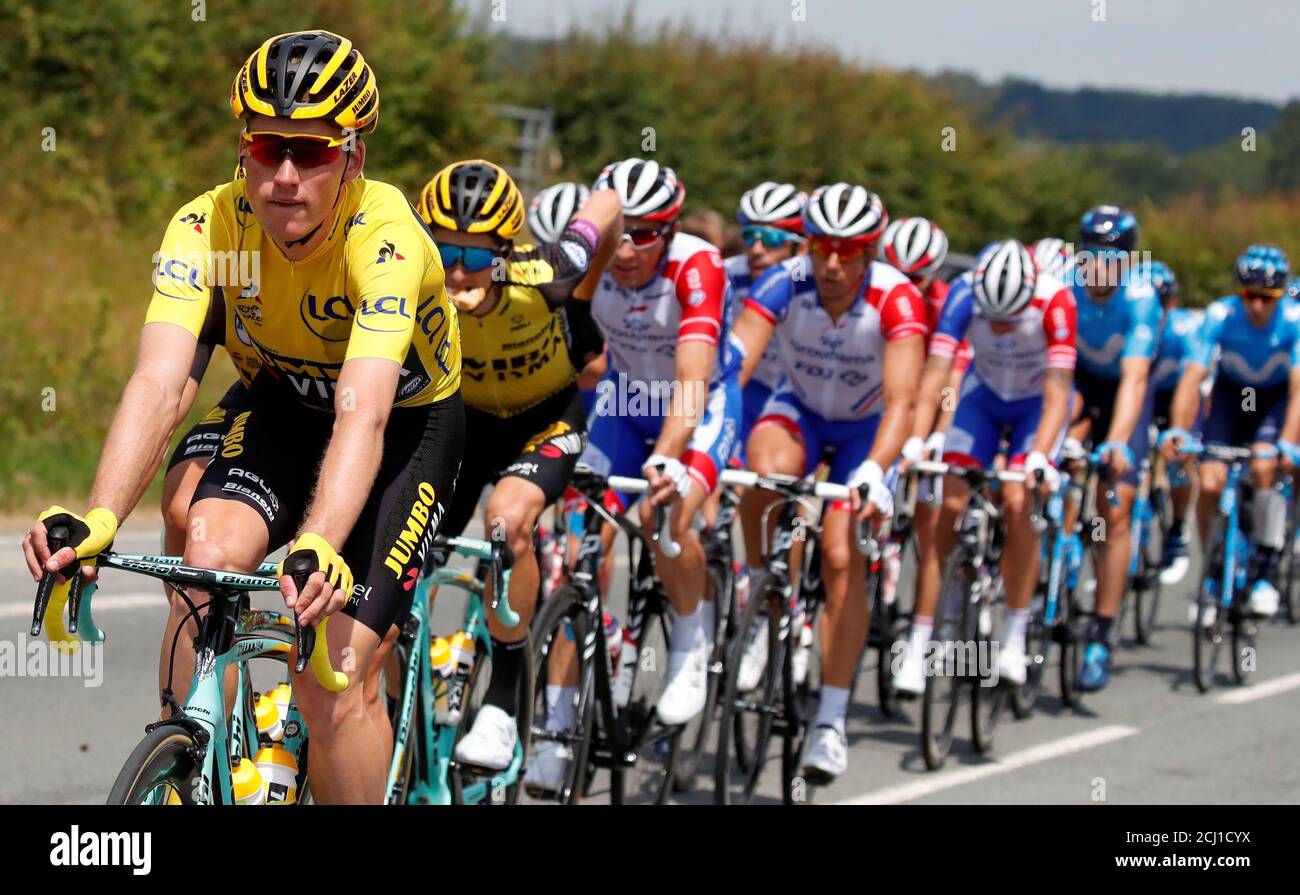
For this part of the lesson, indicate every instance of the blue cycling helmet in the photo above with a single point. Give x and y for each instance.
(1163, 281)
(1263, 267)
(1108, 227)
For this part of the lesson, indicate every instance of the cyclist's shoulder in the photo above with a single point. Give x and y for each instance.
(211, 214)
(685, 248)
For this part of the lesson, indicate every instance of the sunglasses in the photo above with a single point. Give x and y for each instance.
(845, 248)
(1264, 295)
(306, 150)
(642, 238)
(771, 237)
(474, 258)
(1102, 253)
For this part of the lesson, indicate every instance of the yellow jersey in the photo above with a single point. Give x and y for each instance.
(516, 355)
(372, 288)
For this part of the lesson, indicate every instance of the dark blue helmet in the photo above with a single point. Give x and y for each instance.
(1108, 227)
(1263, 267)
(1163, 281)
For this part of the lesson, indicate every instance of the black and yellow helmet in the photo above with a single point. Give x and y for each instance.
(308, 74)
(473, 196)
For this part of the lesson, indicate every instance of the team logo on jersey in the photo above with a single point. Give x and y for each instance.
(389, 253)
(382, 315)
(357, 219)
(696, 298)
(329, 319)
(198, 220)
(853, 378)
(833, 338)
(241, 333)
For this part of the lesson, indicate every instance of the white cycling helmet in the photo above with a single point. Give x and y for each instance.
(1052, 255)
(647, 189)
(845, 211)
(1004, 280)
(915, 246)
(776, 204)
(551, 209)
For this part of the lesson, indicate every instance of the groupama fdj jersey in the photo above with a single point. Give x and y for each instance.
(373, 288)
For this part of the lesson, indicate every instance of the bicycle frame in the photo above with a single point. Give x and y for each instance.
(433, 742)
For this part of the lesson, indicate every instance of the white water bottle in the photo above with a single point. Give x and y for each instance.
(626, 670)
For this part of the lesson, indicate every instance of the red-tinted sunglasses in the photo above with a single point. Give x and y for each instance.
(644, 237)
(306, 150)
(847, 249)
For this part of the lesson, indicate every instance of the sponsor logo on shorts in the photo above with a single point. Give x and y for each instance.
(414, 539)
(232, 445)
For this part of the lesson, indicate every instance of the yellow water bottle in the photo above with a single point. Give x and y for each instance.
(282, 696)
(440, 661)
(250, 788)
(279, 769)
(269, 726)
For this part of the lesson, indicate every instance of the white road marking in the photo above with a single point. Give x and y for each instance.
(1260, 691)
(109, 603)
(906, 792)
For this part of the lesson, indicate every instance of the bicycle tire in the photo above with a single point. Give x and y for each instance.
(459, 776)
(733, 721)
(693, 740)
(657, 746)
(942, 699)
(1208, 639)
(1146, 584)
(164, 758)
(563, 607)
(987, 702)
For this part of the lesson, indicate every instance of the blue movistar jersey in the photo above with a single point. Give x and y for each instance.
(1125, 325)
(1258, 356)
(1177, 338)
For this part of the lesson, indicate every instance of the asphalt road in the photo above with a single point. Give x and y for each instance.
(1149, 738)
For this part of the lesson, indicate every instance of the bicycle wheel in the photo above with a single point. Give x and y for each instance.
(1210, 628)
(747, 718)
(1071, 632)
(1146, 581)
(988, 695)
(882, 634)
(943, 691)
(648, 780)
(695, 733)
(462, 777)
(1038, 640)
(160, 771)
(563, 623)
(1290, 611)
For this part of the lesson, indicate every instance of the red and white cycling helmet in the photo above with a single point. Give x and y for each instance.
(1004, 280)
(551, 209)
(647, 189)
(1052, 256)
(778, 205)
(916, 246)
(845, 211)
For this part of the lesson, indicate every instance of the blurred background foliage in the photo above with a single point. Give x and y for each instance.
(137, 96)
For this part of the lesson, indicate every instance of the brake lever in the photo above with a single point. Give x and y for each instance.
(58, 538)
(300, 566)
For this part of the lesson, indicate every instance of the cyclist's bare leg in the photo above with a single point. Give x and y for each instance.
(771, 450)
(1213, 477)
(846, 616)
(683, 575)
(1114, 549)
(512, 510)
(1021, 544)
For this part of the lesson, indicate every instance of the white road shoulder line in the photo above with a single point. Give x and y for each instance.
(906, 792)
(1260, 691)
(111, 603)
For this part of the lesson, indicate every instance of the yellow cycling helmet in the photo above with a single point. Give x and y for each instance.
(308, 74)
(473, 196)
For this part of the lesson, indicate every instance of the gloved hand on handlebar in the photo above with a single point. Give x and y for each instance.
(878, 495)
(1037, 462)
(323, 595)
(91, 535)
(667, 468)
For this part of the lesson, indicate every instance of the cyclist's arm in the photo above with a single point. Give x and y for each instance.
(695, 362)
(948, 408)
(1128, 401)
(153, 403)
(603, 210)
(929, 399)
(1056, 406)
(754, 332)
(903, 362)
(1187, 397)
(1291, 425)
(362, 403)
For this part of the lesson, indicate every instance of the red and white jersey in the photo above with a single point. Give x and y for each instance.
(687, 300)
(935, 294)
(1012, 363)
(770, 368)
(836, 367)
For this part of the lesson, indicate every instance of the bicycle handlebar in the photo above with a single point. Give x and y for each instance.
(312, 641)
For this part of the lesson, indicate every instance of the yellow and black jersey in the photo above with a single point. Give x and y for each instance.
(373, 288)
(516, 355)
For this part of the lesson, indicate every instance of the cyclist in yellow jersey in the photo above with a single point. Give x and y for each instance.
(526, 330)
(347, 440)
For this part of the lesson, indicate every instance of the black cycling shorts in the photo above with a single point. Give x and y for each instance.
(540, 445)
(269, 457)
(204, 437)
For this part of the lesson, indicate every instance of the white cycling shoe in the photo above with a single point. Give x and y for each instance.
(753, 662)
(828, 755)
(910, 678)
(685, 685)
(1264, 600)
(490, 743)
(546, 767)
(1207, 620)
(1012, 664)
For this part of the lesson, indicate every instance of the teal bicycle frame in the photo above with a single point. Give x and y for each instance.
(418, 731)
